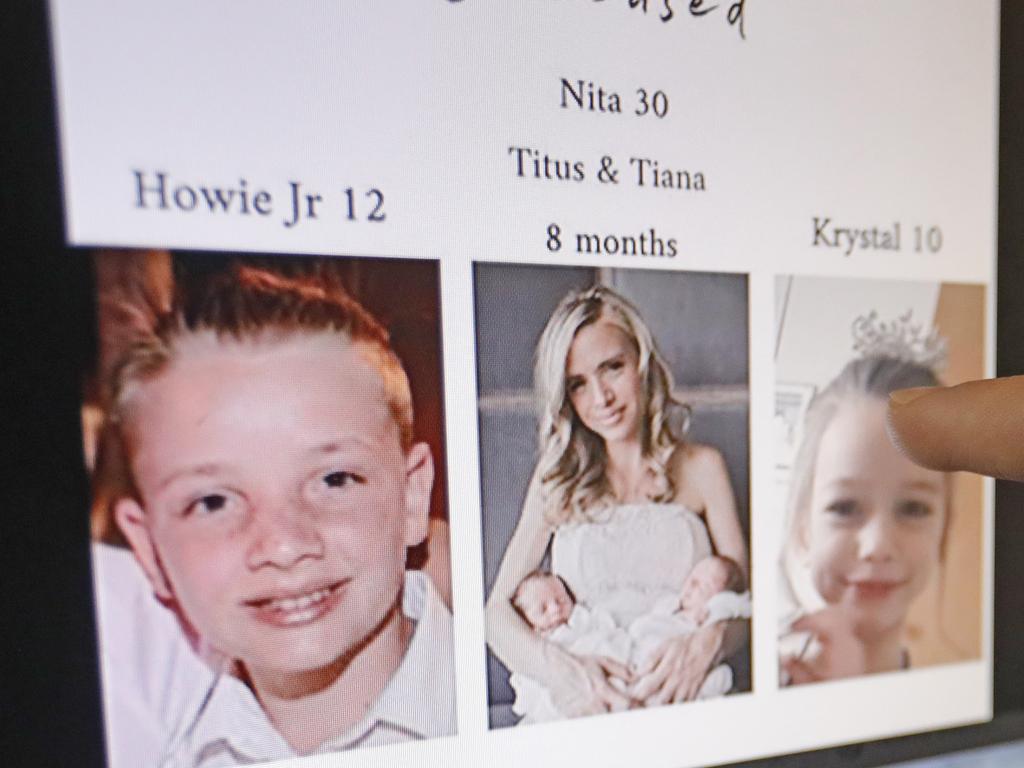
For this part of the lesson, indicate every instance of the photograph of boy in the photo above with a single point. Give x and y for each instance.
(257, 453)
(614, 423)
(881, 566)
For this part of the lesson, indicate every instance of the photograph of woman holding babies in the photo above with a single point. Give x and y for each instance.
(881, 563)
(645, 592)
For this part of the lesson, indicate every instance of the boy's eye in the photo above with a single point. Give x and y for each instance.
(208, 504)
(914, 509)
(341, 478)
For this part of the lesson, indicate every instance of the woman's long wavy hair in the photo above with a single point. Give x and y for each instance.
(571, 469)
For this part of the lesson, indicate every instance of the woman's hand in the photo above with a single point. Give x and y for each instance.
(975, 426)
(592, 692)
(678, 668)
(840, 653)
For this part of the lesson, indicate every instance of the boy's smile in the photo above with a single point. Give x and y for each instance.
(277, 503)
(292, 608)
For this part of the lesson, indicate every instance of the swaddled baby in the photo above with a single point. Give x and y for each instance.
(545, 601)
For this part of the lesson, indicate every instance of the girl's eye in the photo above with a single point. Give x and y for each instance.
(208, 504)
(913, 509)
(341, 478)
(575, 386)
(843, 508)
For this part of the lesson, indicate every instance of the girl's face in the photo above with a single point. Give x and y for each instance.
(876, 520)
(603, 383)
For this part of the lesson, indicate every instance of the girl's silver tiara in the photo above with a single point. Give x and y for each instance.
(901, 339)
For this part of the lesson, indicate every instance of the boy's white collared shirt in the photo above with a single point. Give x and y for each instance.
(162, 700)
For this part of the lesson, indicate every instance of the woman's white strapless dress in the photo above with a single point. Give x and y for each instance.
(631, 556)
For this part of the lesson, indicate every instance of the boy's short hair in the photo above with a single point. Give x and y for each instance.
(248, 303)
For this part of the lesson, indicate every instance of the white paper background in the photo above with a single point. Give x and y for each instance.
(867, 112)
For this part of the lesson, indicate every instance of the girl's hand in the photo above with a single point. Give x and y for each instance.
(841, 653)
(677, 670)
(592, 692)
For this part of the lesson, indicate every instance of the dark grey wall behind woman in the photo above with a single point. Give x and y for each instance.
(699, 321)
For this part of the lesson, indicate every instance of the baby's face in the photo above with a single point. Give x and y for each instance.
(277, 502)
(545, 603)
(708, 577)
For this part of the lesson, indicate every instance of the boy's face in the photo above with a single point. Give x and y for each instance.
(545, 603)
(277, 503)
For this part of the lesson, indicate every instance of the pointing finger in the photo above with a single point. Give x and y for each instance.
(977, 426)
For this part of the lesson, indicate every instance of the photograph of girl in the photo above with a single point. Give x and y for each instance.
(881, 563)
(615, 513)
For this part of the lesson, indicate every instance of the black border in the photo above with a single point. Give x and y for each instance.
(50, 712)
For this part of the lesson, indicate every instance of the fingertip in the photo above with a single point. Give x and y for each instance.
(655, 700)
(616, 667)
(974, 426)
(900, 397)
(641, 692)
(915, 426)
(616, 701)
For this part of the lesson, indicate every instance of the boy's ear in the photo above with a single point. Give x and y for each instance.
(419, 481)
(131, 519)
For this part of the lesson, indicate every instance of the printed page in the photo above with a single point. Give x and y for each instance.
(506, 385)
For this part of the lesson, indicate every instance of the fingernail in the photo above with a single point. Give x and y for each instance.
(907, 396)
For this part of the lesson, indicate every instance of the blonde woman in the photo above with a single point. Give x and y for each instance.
(626, 506)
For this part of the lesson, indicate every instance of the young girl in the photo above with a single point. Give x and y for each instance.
(865, 524)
